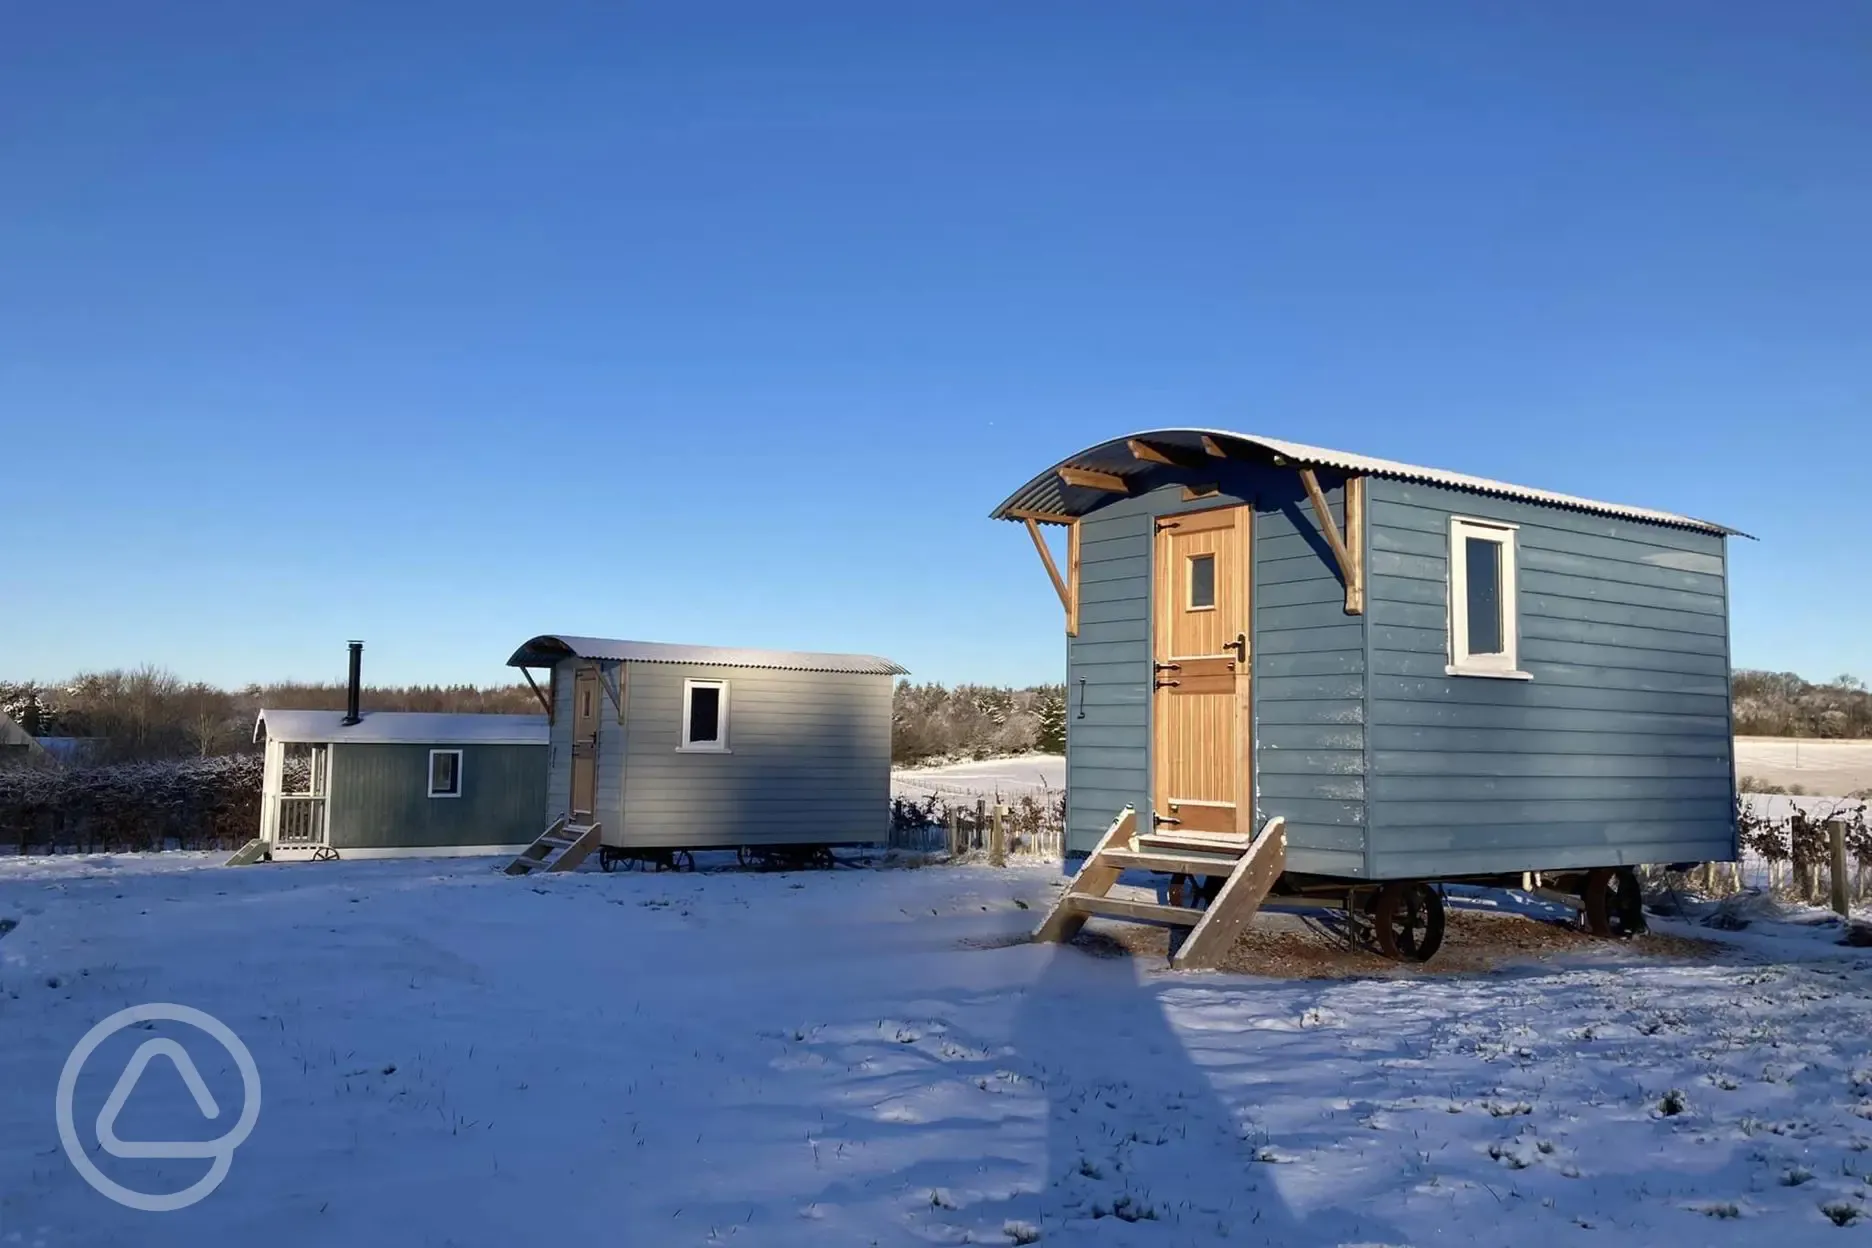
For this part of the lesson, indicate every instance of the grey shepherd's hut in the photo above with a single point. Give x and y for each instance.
(1328, 674)
(666, 749)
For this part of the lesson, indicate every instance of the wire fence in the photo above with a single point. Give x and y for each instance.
(1027, 826)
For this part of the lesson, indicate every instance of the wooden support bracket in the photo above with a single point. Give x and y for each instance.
(1093, 479)
(1066, 587)
(1351, 561)
(544, 701)
(609, 681)
(1175, 456)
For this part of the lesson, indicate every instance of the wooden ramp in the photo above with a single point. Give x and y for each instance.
(253, 851)
(1247, 866)
(559, 848)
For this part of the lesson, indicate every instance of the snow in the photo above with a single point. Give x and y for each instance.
(1832, 767)
(1007, 778)
(1818, 766)
(454, 1056)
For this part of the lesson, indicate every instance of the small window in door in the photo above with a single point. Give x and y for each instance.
(1202, 585)
(445, 773)
(705, 716)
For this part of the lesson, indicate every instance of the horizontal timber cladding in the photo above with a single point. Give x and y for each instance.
(1307, 656)
(380, 797)
(1618, 748)
(808, 760)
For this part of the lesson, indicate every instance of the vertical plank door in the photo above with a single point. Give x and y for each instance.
(1201, 777)
(584, 742)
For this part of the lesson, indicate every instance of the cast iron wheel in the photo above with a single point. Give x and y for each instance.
(680, 860)
(1408, 921)
(1614, 904)
(745, 856)
(607, 862)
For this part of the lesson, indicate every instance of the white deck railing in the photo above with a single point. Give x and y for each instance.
(301, 820)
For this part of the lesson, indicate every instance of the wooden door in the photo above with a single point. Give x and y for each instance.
(585, 700)
(1201, 769)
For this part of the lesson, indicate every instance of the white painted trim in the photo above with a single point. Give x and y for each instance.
(1505, 666)
(459, 762)
(1450, 669)
(720, 744)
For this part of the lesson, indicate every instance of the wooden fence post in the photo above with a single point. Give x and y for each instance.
(981, 823)
(1836, 833)
(997, 838)
(955, 831)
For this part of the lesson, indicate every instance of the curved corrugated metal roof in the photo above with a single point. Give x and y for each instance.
(404, 727)
(547, 649)
(1048, 493)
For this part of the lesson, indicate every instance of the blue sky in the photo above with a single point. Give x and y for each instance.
(446, 325)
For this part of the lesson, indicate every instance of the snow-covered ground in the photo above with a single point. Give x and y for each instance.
(1830, 767)
(1016, 777)
(453, 1056)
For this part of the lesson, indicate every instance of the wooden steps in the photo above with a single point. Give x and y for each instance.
(561, 847)
(1248, 866)
(253, 851)
(1173, 863)
(1211, 842)
(1137, 911)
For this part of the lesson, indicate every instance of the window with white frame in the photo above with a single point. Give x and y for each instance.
(445, 773)
(1483, 630)
(705, 716)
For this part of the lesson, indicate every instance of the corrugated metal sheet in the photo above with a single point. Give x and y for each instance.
(1047, 493)
(411, 727)
(547, 649)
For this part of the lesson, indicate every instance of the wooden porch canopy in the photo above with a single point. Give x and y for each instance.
(1113, 469)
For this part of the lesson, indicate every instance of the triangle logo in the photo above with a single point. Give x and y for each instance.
(184, 1065)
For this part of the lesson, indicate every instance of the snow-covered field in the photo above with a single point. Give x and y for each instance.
(452, 1056)
(1016, 777)
(1830, 767)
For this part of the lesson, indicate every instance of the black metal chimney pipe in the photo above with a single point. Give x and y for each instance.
(351, 689)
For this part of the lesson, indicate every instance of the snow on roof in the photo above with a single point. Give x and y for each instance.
(406, 727)
(549, 648)
(1048, 493)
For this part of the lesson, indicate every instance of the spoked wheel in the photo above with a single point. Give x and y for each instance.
(679, 860)
(1408, 921)
(1614, 904)
(607, 859)
(745, 856)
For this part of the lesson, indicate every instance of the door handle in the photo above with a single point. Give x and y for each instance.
(1239, 646)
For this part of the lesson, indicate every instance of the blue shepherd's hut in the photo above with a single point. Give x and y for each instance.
(1299, 672)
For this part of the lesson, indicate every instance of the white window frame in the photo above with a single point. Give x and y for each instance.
(458, 773)
(720, 744)
(1503, 666)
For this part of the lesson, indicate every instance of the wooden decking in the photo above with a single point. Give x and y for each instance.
(1248, 867)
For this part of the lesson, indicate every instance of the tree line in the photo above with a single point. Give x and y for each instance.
(147, 713)
(1782, 704)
